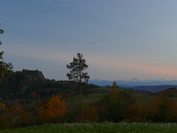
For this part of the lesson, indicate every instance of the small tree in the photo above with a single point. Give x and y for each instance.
(116, 104)
(77, 74)
(53, 110)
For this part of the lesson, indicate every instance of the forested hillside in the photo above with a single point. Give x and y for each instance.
(30, 84)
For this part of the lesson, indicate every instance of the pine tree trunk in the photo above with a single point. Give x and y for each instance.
(80, 103)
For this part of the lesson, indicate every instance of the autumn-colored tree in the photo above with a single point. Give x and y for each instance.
(173, 112)
(3, 116)
(18, 115)
(137, 113)
(161, 109)
(53, 110)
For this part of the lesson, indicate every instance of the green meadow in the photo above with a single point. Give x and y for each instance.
(98, 128)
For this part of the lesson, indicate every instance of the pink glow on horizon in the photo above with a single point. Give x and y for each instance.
(137, 67)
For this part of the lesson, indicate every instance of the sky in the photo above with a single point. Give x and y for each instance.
(120, 39)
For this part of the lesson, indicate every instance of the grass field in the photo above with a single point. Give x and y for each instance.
(98, 128)
(92, 98)
(86, 100)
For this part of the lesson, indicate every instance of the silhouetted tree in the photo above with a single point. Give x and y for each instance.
(77, 74)
(1, 53)
(5, 68)
(77, 68)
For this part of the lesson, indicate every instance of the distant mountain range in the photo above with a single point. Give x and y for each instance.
(147, 85)
(134, 82)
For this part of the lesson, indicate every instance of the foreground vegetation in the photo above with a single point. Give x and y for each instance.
(98, 128)
(112, 104)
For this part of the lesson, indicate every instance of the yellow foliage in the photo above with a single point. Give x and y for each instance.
(3, 107)
(55, 108)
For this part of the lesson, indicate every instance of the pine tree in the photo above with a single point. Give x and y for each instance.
(77, 74)
(77, 68)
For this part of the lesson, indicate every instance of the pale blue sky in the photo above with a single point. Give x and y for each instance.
(120, 39)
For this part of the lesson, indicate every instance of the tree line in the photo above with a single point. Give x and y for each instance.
(116, 105)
